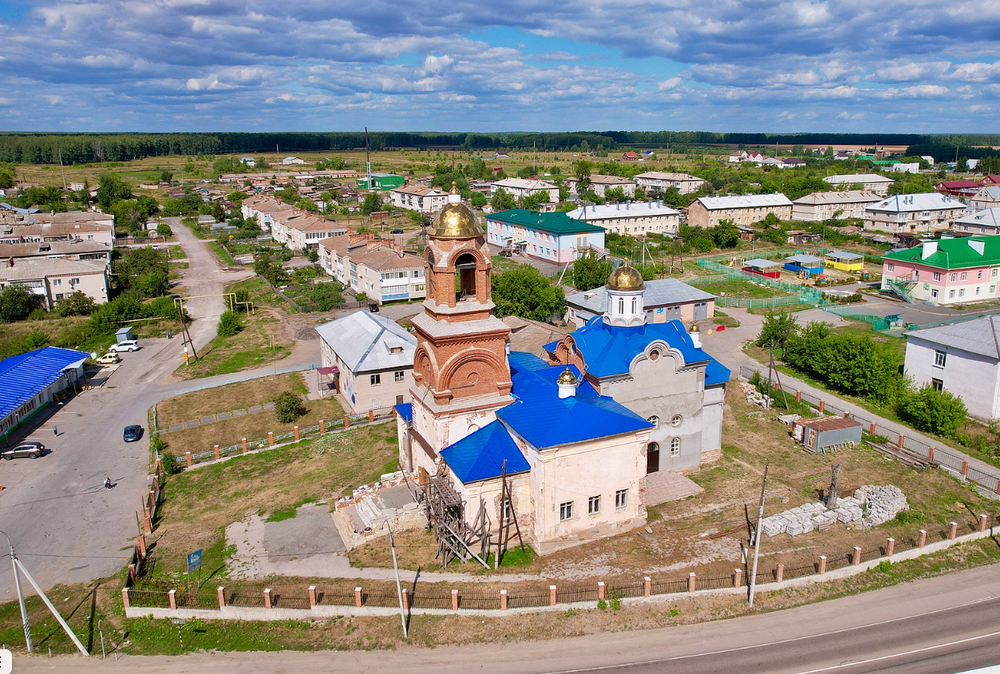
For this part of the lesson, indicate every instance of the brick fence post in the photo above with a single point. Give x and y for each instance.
(899, 442)
(347, 421)
(187, 459)
(982, 522)
(147, 525)
(930, 453)
(779, 573)
(503, 600)
(221, 593)
(871, 428)
(357, 597)
(454, 600)
(140, 542)
(798, 396)
(647, 586)
(267, 598)
(172, 597)
(552, 595)
(965, 469)
(215, 450)
(856, 557)
(270, 438)
(890, 547)
(312, 596)
(371, 416)
(922, 538)
(998, 487)
(600, 589)
(822, 564)
(822, 406)
(244, 441)
(692, 581)
(295, 429)
(125, 599)
(159, 466)
(406, 598)
(322, 427)
(131, 573)
(737, 577)
(952, 530)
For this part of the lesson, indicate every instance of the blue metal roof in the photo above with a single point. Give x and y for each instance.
(608, 350)
(406, 411)
(481, 455)
(543, 419)
(25, 376)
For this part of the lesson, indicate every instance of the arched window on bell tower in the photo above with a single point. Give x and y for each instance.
(465, 277)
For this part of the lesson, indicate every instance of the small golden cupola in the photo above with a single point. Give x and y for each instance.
(625, 290)
(626, 277)
(567, 384)
(455, 220)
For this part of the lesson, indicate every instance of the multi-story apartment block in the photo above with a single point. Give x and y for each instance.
(379, 269)
(554, 237)
(658, 181)
(418, 198)
(520, 188)
(946, 271)
(51, 279)
(632, 218)
(914, 213)
(869, 182)
(740, 210)
(833, 205)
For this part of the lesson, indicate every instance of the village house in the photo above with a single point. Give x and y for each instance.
(288, 161)
(264, 178)
(869, 182)
(418, 198)
(659, 181)
(630, 156)
(962, 358)
(744, 156)
(958, 188)
(946, 272)
(553, 237)
(579, 452)
(986, 222)
(820, 206)
(913, 213)
(636, 218)
(378, 268)
(664, 300)
(368, 359)
(51, 279)
(987, 196)
(740, 210)
(522, 188)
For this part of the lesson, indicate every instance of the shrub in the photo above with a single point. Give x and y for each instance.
(938, 412)
(163, 229)
(170, 464)
(229, 324)
(288, 407)
(325, 296)
(76, 303)
(16, 303)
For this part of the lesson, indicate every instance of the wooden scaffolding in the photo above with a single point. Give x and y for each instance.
(456, 538)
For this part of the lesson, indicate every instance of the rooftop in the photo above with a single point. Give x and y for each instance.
(988, 217)
(979, 336)
(368, 342)
(761, 263)
(848, 197)
(745, 201)
(972, 251)
(906, 203)
(658, 293)
(556, 222)
(661, 175)
(844, 256)
(803, 259)
(626, 210)
(29, 268)
(25, 376)
(857, 178)
(525, 184)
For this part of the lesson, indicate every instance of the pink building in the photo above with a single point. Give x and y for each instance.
(945, 271)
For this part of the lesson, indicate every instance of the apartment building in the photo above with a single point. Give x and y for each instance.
(418, 198)
(633, 218)
(298, 229)
(553, 237)
(869, 182)
(985, 221)
(988, 196)
(914, 213)
(600, 184)
(740, 210)
(659, 181)
(50, 279)
(520, 188)
(378, 268)
(948, 271)
(833, 205)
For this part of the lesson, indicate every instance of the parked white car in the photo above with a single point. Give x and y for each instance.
(127, 345)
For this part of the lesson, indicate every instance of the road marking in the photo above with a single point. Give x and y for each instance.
(737, 649)
(904, 653)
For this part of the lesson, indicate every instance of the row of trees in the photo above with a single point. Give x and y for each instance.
(860, 365)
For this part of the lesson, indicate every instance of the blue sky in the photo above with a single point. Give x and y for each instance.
(728, 65)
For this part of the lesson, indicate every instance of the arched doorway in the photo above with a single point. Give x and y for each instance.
(652, 458)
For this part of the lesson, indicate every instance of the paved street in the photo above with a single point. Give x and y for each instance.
(65, 526)
(944, 624)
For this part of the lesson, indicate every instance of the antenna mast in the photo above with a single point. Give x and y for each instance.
(368, 160)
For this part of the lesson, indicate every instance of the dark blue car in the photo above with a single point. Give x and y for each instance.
(132, 433)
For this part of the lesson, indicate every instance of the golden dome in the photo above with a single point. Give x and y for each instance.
(626, 277)
(567, 377)
(694, 328)
(456, 220)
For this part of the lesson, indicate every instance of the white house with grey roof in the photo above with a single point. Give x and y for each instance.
(368, 359)
(961, 358)
(986, 221)
(914, 213)
(632, 218)
(870, 182)
(664, 300)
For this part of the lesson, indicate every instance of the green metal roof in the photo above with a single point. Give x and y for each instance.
(557, 222)
(954, 253)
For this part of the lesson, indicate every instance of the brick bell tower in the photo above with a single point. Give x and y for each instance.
(460, 370)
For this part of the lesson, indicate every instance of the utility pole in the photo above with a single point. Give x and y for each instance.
(399, 591)
(20, 595)
(756, 534)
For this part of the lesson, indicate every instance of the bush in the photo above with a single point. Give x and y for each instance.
(229, 324)
(163, 229)
(76, 303)
(938, 412)
(16, 303)
(288, 407)
(170, 464)
(312, 254)
(325, 296)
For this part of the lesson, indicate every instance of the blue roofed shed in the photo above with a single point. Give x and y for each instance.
(29, 380)
(809, 264)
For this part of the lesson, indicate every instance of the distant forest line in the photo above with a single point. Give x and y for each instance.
(86, 148)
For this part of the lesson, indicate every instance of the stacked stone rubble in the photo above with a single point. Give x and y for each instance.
(883, 502)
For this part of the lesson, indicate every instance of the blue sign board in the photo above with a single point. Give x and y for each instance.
(194, 560)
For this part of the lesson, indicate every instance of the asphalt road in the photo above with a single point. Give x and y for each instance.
(65, 526)
(945, 624)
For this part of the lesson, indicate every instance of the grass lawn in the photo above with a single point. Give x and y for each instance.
(260, 293)
(242, 394)
(252, 426)
(200, 503)
(261, 341)
(741, 288)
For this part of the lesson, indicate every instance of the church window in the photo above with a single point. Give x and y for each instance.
(654, 354)
(621, 498)
(566, 511)
(655, 420)
(675, 447)
(635, 305)
(676, 420)
(593, 505)
(621, 305)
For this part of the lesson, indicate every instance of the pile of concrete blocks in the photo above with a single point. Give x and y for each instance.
(810, 516)
(883, 502)
(849, 510)
(755, 397)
